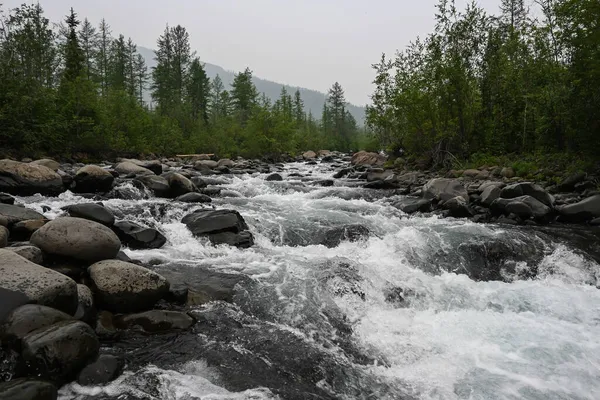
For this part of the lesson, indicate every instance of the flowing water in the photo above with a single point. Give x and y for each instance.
(420, 308)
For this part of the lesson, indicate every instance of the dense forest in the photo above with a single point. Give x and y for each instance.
(519, 83)
(75, 88)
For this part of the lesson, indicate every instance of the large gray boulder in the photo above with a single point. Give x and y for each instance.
(157, 184)
(309, 155)
(92, 179)
(153, 165)
(585, 210)
(366, 158)
(46, 162)
(26, 319)
(137, 236)
(28, 179)
(77, 238)
(127, 167)
(40, 285)
(180, 185)
(105, 369)
(27, 389)
(3, 236)
(91, 211)
(124, 287)
(220, 226)
(443, 189)
(58, 352)
(527, 189)
(489, 194)
(14, 214)
(30, 253)
(520, 206)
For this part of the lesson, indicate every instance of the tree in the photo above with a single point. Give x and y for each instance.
(74, 57)
(198, 91)
(88, 37)
(118, 75)
(243, 94)
(298, 107)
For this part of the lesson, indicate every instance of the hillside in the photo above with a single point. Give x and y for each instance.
(313, 100)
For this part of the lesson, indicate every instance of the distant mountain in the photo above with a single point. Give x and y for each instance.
(313, 100)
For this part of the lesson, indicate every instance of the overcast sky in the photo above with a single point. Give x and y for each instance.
(308, 43)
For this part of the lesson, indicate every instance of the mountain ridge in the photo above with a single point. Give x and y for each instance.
(313, 99)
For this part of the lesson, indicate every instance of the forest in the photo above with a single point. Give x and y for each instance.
(521, 83)
(72, 88)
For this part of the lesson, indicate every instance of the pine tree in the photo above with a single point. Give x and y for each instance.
(216, 89)
(298, 106)
(103, 55)
(88, 37)
(198, 91)
(140, 71)
(118, 65)
(74, 57)
(243, 94)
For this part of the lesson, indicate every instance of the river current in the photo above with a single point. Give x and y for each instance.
(407, 311)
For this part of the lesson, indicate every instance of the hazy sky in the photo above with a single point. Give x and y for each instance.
(308, 43)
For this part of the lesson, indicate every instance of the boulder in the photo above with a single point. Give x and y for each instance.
(105, 327)
(584, 210)
(9, 301)
(507, 172)
(124, 287)
(457, 207)
(155, 321)
(343, 173)
(6, 198)
(366, 158)
(92, 179)
(46, 162)
(30, 253)
(154, 165)
(85, 309)
(242, 240)
(569, 183)
(444, 189)
(40, 285)
(28, 179)
(324, 183)
(379, 175)
(273, 178)
(309, 155)
(411, 205)
(127, 167)
(27, 389)
(205, 164)
(351, 233)
(538, 209)
(137, 236)
(180, 185)
(225, 162)
(106, 368)
(26, 319)
(157, 184)
(58, 352)
(323, 153)
(4, 236)
(520, 209)
(194, 198)
(91, 211)
(22, 230)
(470, 173)
(489, 194)
(77, 238)
(221, 226)
(527, 189)
(14, 214)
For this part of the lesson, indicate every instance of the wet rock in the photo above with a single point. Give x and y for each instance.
(366, 158)
(199, 182)
(157, 184)
(85, 309)
(6, 198)
(137, 236)
(3, 236)
(58, 352)
(105, 326)
(124, 287)
(584, 210)
(14, 214)
(507, 172)
(154, 165)
(324, 183)
(225, 162)
(77, 238)
(379, 175)
(155, 321)
(204, 222)
(53, 165)
(351, 233)
(520, 209)
(489, 194)
(527, 189)
(91, 211)
(309, 155)
(127, 167)
(28, 179)
(381, 185)
(194, 198)
(106, 368)
(457, 207)
(27, 389)
(343, 173)
(443, 189)
(179, 185)
(273, 178)
(92, 179)
(411, 205)
(40, 285)
(538, 209)
(9, 301)
(569, 183)
(30, 253)
(22, 230)
(26, 319)
(178, 293)
(242, 240)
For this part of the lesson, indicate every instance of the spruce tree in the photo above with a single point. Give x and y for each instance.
(198, 91)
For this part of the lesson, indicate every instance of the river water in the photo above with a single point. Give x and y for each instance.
(409, 311)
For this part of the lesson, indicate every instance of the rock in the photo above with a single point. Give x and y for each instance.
(180, 185)
(205, 164)
(27, 389)
(204, 222)
(22, 230)
(343, 173)
(444, 189)
(106, 368)
(225, 162)
(77, 238)
(46, 162)
(30, 253)
(9, 301)
(366, 158)
(91, 211)
(527, 189)
(26, 319)
(520, 209)
(489, 194)
(137, 236)
(92, 179)
(58, 352)
(457, 207)
(157, 184)
(274, 177)
(4, 236)
(14, 214)
(85, 309)
(538, 209)
(381, 185)
(470, 173)
(412, 205)
(28, 179)
(194, 198)
(199, 182)
(242, 240)
(127, 167)
(582, 211)
(154, 165)
(568, 184)
(351, 233)
(6, 198)
(507, 172)
(324, 183)
(323, 153)
(105, 327)
(40, 285)
(379, 175)
(309, 155)
(124, 287)
(156, 321)
(178, 293)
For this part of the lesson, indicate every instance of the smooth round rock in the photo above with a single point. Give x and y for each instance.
(4, 236)
(91, 211)
(137, 236)
(28, 389)
(14, 214)
(106, 368)
(156, 321)
(26, 179)
(92, 179)
(26, 319)
(30, 253)
(85, 309)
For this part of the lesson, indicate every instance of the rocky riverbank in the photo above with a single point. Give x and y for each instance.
(66, 286)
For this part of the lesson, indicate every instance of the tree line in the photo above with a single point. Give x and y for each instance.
(520, 82)
(76, 88)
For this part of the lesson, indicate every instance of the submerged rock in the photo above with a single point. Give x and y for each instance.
(106, 368)
(352, 233)
(412, 205)
(156, 321)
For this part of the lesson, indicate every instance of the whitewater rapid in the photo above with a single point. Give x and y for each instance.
(430, 331)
